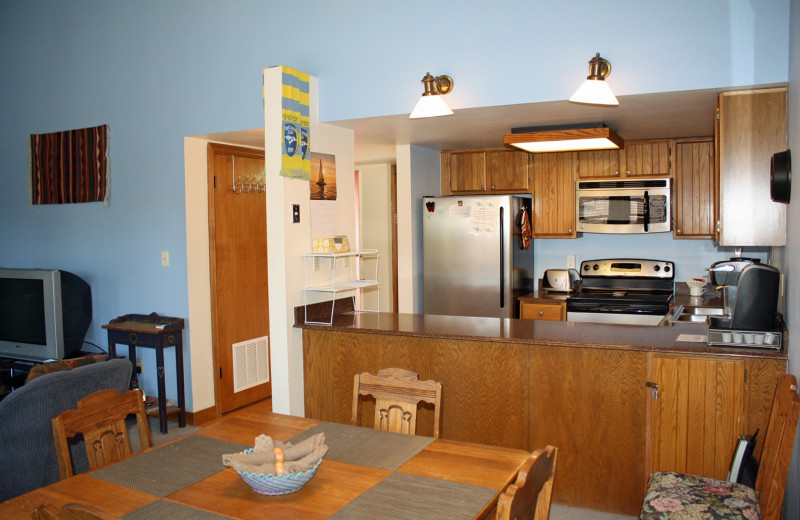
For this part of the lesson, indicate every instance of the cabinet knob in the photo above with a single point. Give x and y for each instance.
(616, 172)
(569, 230)
(492, 186)
(483, 186)
(541, 313)
(628, 172)
(678, 231)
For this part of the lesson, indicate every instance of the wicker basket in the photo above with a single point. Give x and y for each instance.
(277, 485)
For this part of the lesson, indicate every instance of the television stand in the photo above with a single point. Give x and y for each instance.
(13, 373)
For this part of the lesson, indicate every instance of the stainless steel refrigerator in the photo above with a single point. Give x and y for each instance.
(473, 263)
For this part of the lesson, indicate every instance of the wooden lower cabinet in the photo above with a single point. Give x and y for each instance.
(700, 405)
(542, 310)
(592, 403)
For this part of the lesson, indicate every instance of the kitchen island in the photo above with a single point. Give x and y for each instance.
(579, 386)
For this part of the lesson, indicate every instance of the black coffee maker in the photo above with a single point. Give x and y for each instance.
(752, 303)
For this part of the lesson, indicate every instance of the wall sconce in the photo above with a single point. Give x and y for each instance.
(431, 103)
(582, 136)
(595, 90)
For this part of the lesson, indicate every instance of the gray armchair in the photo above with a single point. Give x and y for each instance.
(27, 450)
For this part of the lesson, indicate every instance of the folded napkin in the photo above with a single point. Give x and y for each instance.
(297, 458)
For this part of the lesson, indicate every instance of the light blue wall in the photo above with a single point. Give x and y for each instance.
(156, 71)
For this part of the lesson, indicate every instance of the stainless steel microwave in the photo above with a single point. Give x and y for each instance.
(624, 206)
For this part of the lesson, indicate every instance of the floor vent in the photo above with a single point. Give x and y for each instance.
(250, 363)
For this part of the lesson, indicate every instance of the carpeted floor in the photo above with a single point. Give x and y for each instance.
(173, 432)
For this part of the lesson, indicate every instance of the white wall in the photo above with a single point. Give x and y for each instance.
(791, 263)
(418, 174)
(375, 201)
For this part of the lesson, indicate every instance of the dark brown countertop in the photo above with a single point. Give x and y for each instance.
(662, 338)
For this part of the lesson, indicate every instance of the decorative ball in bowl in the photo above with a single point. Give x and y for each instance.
(283, 484)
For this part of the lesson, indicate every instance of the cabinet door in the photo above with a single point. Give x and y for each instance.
(696, 414)
(597, 164)
(646, 158)
(467, 172)
(507, 171)
(553, 195)
(693, 202)
(752, 127)
(553, 311)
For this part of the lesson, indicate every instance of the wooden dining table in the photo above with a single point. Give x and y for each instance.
(365, 474)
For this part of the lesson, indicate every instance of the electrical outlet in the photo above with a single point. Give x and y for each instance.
(316, 263)
(570, 261)
(164, 258)
(139, 366)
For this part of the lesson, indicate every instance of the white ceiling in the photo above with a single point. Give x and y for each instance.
(645, 116)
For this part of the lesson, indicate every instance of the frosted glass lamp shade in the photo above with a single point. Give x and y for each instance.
(430, 106)
(594, 92)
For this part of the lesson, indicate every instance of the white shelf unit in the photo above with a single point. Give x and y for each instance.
(336, 286)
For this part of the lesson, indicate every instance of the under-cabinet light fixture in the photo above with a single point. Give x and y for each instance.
(595, 90)
(583, 136)
(431, 103)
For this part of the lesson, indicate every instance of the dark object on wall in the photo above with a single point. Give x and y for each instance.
(69, 167)
(780, 177)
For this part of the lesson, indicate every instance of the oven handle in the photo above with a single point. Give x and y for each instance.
(646, 211)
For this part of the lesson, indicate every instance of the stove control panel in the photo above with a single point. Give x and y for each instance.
(628, 267)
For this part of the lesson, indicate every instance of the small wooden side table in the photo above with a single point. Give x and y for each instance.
(152, 331)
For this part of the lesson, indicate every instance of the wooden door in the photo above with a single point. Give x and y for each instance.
(696, 414)
(647, 158)
(239, 297)
(508, 171)
(693, 203)
(553, 195)
(467, 171)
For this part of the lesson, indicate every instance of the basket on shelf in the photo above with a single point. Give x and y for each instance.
(266, 484)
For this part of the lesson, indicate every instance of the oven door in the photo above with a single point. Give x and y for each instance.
(617, 312)
(622, 210)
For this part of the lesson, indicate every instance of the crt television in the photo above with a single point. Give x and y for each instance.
(44, 314)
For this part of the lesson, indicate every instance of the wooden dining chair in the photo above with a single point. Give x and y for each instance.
(100, 417)
(669, 492)
(397, 394)
(70, 512)
(528, 498)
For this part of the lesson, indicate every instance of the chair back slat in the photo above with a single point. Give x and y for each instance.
(773, 467)
(100, 418)
(397, 394)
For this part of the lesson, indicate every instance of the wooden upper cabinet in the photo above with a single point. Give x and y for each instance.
(508, 171)
(637, 159)
(594, 164)
(693, 203)
(646, 159)
(553, 195)
(467, 171)
(752, 127)
(485, 171)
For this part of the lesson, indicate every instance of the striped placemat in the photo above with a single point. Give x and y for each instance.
(169, 468)
(161, 509)
(401, 496)
(366, 447)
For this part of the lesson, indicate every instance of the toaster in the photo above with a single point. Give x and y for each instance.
(560, 280)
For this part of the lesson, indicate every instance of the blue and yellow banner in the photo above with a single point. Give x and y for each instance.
(296, 155)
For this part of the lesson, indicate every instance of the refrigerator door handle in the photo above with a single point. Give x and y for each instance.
(502, 261)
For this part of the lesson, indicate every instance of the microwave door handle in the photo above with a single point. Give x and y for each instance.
(646, 211)
(502, 261)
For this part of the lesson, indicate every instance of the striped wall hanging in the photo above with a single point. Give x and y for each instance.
(70, 167)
